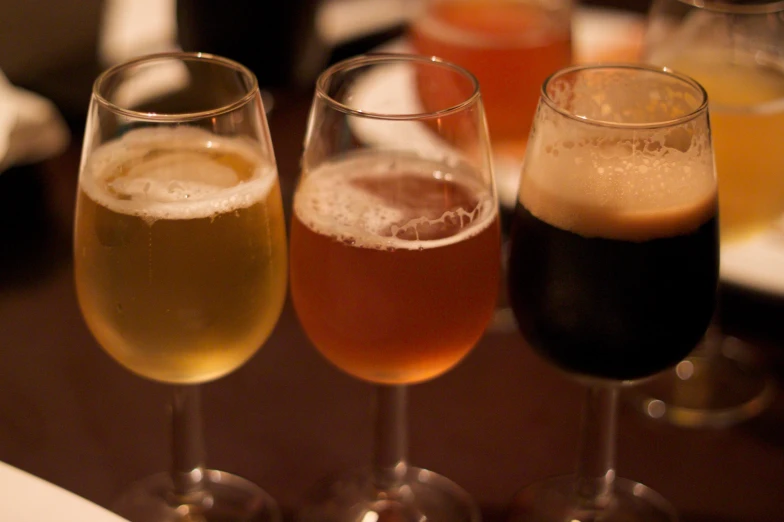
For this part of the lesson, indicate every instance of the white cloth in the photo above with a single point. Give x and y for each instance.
(31, 127)
(131, 28)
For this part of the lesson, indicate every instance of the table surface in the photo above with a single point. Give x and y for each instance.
(502, 419)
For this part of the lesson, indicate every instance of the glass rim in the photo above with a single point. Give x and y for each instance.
(719, 6)
(253, 87)
(382, 57)
(666, 71)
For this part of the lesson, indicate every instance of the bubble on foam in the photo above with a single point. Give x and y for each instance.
(330, 202)
(176, 173)
(413, 228)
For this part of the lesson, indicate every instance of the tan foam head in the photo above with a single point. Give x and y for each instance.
(597, 176)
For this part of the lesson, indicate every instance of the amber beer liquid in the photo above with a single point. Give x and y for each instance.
(180, 253)
(510, 46)
(394, 265)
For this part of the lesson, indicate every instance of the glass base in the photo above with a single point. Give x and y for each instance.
(553, 500)
(229, 498)
(707, 390)
(423, 496)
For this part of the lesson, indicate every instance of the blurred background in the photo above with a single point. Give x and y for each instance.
(52, 51)
(57, 48)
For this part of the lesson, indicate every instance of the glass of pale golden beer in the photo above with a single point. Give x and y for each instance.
(180, 253)
(394, 258)
(736, 51)
(614, 259)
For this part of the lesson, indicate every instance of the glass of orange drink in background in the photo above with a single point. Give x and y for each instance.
(511, 46)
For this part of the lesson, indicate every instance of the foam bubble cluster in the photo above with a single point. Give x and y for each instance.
(346, 199)
(657, 183)
(176, 173)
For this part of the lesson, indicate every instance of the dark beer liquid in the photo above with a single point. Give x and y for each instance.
(608, 308)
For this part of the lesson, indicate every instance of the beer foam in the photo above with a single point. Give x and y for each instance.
(176, 173)
(656, 186)
(331, 203)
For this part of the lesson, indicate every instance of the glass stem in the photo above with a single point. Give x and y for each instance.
(710, 346)
(188, 453)
(391, 440)
(596, 459)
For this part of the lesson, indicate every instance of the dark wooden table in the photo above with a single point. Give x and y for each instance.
(501, 419)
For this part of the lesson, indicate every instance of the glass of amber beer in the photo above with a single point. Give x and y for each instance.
(614, 259)
(511, 46)
(736, 51)
(180, 253)
(394, 252)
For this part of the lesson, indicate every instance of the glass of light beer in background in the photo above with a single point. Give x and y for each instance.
(736, 51)
(613, 261)
(180, 253)
(511, 46)
(394, 255)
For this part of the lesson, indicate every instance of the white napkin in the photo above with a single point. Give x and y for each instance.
(27, 498)
(131, 28)
(31, 127)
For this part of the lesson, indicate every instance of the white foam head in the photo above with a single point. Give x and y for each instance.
(330, 203)
(176, 173)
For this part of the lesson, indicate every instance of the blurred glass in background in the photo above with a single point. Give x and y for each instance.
(737, 53)
(511, 46)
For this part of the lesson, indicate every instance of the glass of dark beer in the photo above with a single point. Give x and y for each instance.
(613, 263)
(394, 258)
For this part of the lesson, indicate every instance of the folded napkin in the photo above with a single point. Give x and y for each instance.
(31, 127)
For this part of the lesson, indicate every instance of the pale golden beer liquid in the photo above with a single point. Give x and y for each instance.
(747, 123)
(180, 253)
(393, 291)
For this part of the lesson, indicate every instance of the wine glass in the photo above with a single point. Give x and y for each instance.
(736, 51)
(180, 253)
(511, 46)
(613, 262)
(394, 257)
